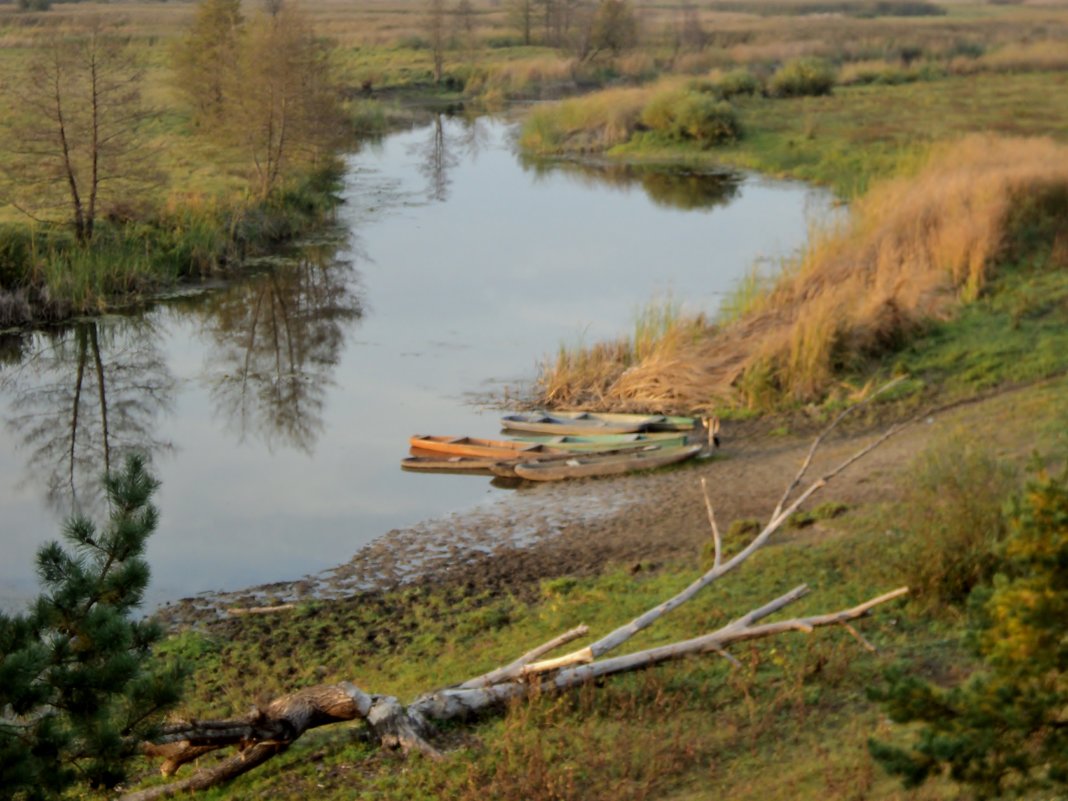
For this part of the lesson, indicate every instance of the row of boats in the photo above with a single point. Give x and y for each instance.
(550, 446)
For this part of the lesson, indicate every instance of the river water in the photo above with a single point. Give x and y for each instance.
(275, 409)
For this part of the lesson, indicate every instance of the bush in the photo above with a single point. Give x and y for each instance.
(691, 116)
(738, 82)
(953, 521)
(801, 77)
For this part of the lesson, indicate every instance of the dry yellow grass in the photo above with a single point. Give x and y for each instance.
(912, 249)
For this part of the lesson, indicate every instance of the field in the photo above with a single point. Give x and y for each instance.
(942, 126)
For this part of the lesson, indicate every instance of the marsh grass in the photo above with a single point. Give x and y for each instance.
(590, 376)
(911, 252)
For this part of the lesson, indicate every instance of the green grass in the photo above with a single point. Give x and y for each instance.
(697, 729)
(861, 133)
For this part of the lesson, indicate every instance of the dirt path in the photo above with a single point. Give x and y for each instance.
(577, 528)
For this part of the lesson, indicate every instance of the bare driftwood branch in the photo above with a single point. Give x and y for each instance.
(823, 435)
(717, 542)
(268, 731)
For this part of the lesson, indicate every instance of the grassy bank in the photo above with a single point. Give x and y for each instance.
(981, 228)
(47, 275)
(790, 720)
(844, 140)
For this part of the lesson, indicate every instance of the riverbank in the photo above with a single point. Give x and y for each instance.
(489, 585)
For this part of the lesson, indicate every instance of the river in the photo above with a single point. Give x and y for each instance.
(275, 409)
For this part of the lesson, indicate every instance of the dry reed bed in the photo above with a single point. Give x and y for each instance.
(911, 250)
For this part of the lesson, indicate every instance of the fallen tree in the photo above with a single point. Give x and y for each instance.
(270, 729)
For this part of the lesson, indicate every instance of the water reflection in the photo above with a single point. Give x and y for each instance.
(84, 397)
(274, 345)
(441, 151)
(671, 188)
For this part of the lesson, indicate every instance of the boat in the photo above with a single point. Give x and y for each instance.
(552, 424)
(586, 423)
(426, 445)
(604, 442)
(590, 465)
(443, 463)
(659, 422)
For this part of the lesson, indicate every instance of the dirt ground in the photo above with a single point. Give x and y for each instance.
(577, 528)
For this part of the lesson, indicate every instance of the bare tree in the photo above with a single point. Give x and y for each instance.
(206, 59)
(521, 13)
(437, 33)
(286, 113)
(74, 133)
(270, 729)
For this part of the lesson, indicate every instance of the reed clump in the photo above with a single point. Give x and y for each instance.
(911, 251)
(589, 124)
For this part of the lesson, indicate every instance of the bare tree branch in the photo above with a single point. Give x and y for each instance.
(716, 541)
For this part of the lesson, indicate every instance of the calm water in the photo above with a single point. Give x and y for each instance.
(276, 410)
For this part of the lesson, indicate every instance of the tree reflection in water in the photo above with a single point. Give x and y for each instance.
(449, 137)
(678, 188)
(275, 342)
(82, 398)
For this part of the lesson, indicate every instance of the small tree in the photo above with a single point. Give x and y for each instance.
(286, 113)
(437, 34)
(78, 690)
(74, 121)
(206, 59)
(1006, 726)
(615, 27)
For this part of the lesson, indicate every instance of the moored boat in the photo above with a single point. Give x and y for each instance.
(443, 463)
(590, 465)
(425, 445)
(552, 424)
(652, 422)
(586, 423)
(603, 442)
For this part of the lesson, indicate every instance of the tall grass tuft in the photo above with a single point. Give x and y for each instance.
(591, 377)
(587, 124)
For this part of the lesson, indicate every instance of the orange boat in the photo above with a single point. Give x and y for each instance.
(424, 444)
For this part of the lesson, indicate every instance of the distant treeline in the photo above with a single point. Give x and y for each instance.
(851, 8)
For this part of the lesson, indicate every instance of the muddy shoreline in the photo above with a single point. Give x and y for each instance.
(543, 531)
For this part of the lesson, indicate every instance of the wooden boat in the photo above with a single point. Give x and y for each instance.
(605, 442)
(586, 423)
(590, 465)
(426, 445)
(659, 422)
(443, 463)
(552, 424)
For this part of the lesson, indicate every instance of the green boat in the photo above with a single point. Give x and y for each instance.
(603, 442)
(590, 423)
(592, 465)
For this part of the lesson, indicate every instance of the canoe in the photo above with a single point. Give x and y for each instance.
(654, 422)
(426, 445)
(604, 442)
(443, 463)
(552, 424)
(590, 465)
(586, 423)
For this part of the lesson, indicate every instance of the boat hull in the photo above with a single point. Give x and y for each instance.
(595, 465)
(426, 445)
